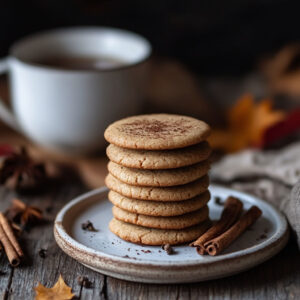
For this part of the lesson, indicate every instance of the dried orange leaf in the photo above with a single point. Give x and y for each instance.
(60, 291)
(247, 123)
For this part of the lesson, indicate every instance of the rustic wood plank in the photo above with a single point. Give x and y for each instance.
(122, 290)
(98, 288)
(46, 270)
(6, 272)
(277, 278)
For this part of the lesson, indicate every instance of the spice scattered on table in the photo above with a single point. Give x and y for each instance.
(23, 214)
(88, 226)
(42, 253)
(19, 171)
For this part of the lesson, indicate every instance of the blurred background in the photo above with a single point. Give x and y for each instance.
(206, 56)
(210, 37)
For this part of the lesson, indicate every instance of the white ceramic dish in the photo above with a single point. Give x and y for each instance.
(104, 252)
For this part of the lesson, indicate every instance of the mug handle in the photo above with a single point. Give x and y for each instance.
(5, 114)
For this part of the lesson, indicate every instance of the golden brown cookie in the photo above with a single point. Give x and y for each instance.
(177, 222)
(149, 236)
(162, 178)
(173, 193)
(157, 208)
(157, 132)
(164, 159)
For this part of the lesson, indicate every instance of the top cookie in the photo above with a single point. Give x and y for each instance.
(157, 132)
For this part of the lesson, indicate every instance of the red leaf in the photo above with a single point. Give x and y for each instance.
(6, 150)
(284, 128)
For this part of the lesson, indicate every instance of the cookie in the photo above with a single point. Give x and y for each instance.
(173, 193)
(165, 159)
(177, 222)
(157, 132)
(150, 236)
(156, 208)
(162, 178)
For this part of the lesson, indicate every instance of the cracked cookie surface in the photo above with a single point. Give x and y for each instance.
(177, 222)
(159, 208)
(159, 177)
(151, 236)
(155, 160)
(173, 193)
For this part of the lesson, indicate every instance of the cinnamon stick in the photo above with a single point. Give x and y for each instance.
(10, 234)
(10, 251)
(218, 244)
(232, 210)
(9, 242)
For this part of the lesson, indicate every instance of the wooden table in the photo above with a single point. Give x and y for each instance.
(278, 278)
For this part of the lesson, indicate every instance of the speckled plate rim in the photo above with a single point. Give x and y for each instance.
(125, 268)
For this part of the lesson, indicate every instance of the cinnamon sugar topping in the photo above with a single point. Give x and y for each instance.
(155, 128)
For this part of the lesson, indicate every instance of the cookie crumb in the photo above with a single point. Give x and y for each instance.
(146, 251)
(168, 248)
(88, 226)
(42, 253)
(126, 256)
(261, 237)
(219, 201)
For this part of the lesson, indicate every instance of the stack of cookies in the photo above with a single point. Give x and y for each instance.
(158, 178)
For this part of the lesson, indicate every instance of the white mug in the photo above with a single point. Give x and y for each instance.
(68, 110)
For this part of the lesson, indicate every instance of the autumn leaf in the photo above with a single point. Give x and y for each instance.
(247, 122)
(285, 128)
(60, 291)
(6, 150)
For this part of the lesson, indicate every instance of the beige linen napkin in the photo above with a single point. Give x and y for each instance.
(270, 175)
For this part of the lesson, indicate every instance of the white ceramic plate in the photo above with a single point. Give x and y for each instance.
(104, 252)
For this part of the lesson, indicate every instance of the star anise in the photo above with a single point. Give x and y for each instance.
(20, 172)
(23, 214)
